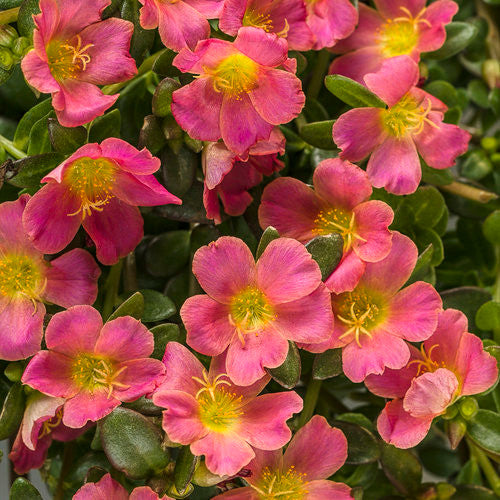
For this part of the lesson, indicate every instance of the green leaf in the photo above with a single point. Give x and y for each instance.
(162, 98)
(476, 165)
(168, 253)
(444, 91)
(66, 140)
(132, 443)
(142, 39)
(151, 135)
(163, 334)
(157, 306)
(105, 126)
(185, 466)
(458, 36)
(12, 411)
(352, 93)
(22, 489)
(426, 237)
(26, 123)
(25, 22)
(488, 316)
(319, 134)
(144, 406)
(328, 364)
(494, 99)
(163, 64)
(402, 469)
(427, 205)
(491, 227)
(435, 176)
(422, 266)
(288, 374)
(269, 234)
(179, 169)
(9, 4)
(33, 168)
(468, 492)
(39, 141)
(478, 93)
(484, 430)
(363, 446)
(133, 306)
(327, 252)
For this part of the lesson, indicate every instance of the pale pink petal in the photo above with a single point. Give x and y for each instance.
(316, 450)
(217, 162)
(37, 73)
(437, 14)
(347, 274)
(264, 48)
(319, 490)
(87, 406)
(286, 271)
(139, 378)
(357, 64)
(263, 423)
(105, 489)
(74, 331)
(72, 279)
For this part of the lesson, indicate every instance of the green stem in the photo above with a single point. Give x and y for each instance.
(10, 148)
(318, 74)
(488, 470)
(470, 192)
(111, 286)
(310, 401)
(146, 66)
(9, 15)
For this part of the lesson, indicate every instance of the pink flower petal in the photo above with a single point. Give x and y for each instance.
(145, 493)
(106, 230)
(87, 406)
(245, 493)
(72, 279)
(316, 450)
(12, 234)
(74, 331)
(431, 393)
(263, 423)
(224, 268)
(140, 375)
(211, 204)
(264, 459)
(217, 162)
(208, 54)
(124, 338)
(357, 64)
(437, 14)
(37, 73)
(390, 9)
(127, 157)
(105, 489)
(211, 9)
(286, 271)
(264, 48)
(231, 18)
(225, 454)
(24, 459)
(347, 274)
(319, 490)
(358, 132)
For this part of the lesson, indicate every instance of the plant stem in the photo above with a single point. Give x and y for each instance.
(10, 148)
(470, 192)
(318, 74)
(67, 461)
(310, 401)
(9, 15)
(111, 286)
(488, 470)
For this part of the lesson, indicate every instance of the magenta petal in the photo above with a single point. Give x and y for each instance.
(74, 331)
(231, 17)
(266, 49)
(317, 450)
(72, 279)
(263, 423)
(225, 454)
(347, 274)
(140, 375)
(21, 324)
(357, 64)
(399, 428)
(389, 9)
(87, 406)
(24, 459)
(12, 234)
(106, 230)
(286, 271)
(137, 162)
(46, 218)
(437, 14)
(37, 73)
(224, 268)
(125, 338)
(270, 459)
(105, 489)
(50, 372)
(319, 490)
(413, 312)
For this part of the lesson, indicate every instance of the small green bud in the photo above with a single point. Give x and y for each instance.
(468, 407)
(6, 58)
(172, 491)
(14, 371)
(203, 477)
(7, 35)
(451, 412)
(489, 144)
(445, 491)
(495, 159)
(21, 46)
(491, 72)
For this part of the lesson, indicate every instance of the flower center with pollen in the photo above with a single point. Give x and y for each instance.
(407, 117)
(21, 275)
(91, 180)
(426, 364)
(219, 409)
(336, 220)
(92, 373)
(360, 312)
(235, 75)
(290, 485)
(399, 36)
(67, 60)
(250, 310)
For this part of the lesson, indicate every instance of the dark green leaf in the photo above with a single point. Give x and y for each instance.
(185, 466)
(328, 364)
(352, 93)
(144, 406)
(484, 430)
(133, 306)
(142, 39)
(458, 36)
(319, 134)
(39, 141)
(163, 64)
(288, 374)
(64, 139)
(157, 306)
(327, 252)
(491, 227)
(12, 411)
(33, 168)
(105, 126)
(401, 468)
(435, 176)
(22, 489)
(25, 22)
(422, 266)
(168, 253)
(478, 93)
(269, 234)
(151, 135)
(162, 98)
(163, 334)
(179, 169)
(469, 492)
(488, 316)
(427, 205)
(26, 123)
(363, 446)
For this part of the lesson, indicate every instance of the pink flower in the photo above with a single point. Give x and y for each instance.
(315, 453)
(286, 18)
(229, 176)
(253, 309)
(330, 21)
(93, 367)
(450, 364)
(181, 23)
(412, 122)
(109, 489)
(218, 419)
(74, 51)
(27, 280)
(338, 204)
(42, 422)
(374, 320)
(405, 27)
(99, 187)
(240, 92)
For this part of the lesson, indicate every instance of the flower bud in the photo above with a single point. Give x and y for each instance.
(491, 72)
(489, 144)
(468, 408)
(203, 477)
(6, 58)
(456, 430)
(451, 412)
(21, 46)
(14, 370)
(7, 35)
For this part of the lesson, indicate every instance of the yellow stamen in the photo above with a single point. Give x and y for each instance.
(282, 485)
(68, 60)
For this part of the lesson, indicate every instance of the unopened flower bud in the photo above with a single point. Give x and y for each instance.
(14, 370)
(489, 144)
(7, 35)
(21, 46)
(451, 412)
(6, 58)
(456, 430)
(491, 72)
(468, 408)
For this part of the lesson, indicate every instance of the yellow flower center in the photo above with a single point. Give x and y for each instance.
(336, 220)
(289, 485)
(400, 35)
(91, 180)
(219, 409)
(407, 117)
(50, 424)
(93, 373)
(235, 75)
(250, 310)
(67, 60)
(426, 364)
(263, 21)
(360, 312)
(21, 275)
